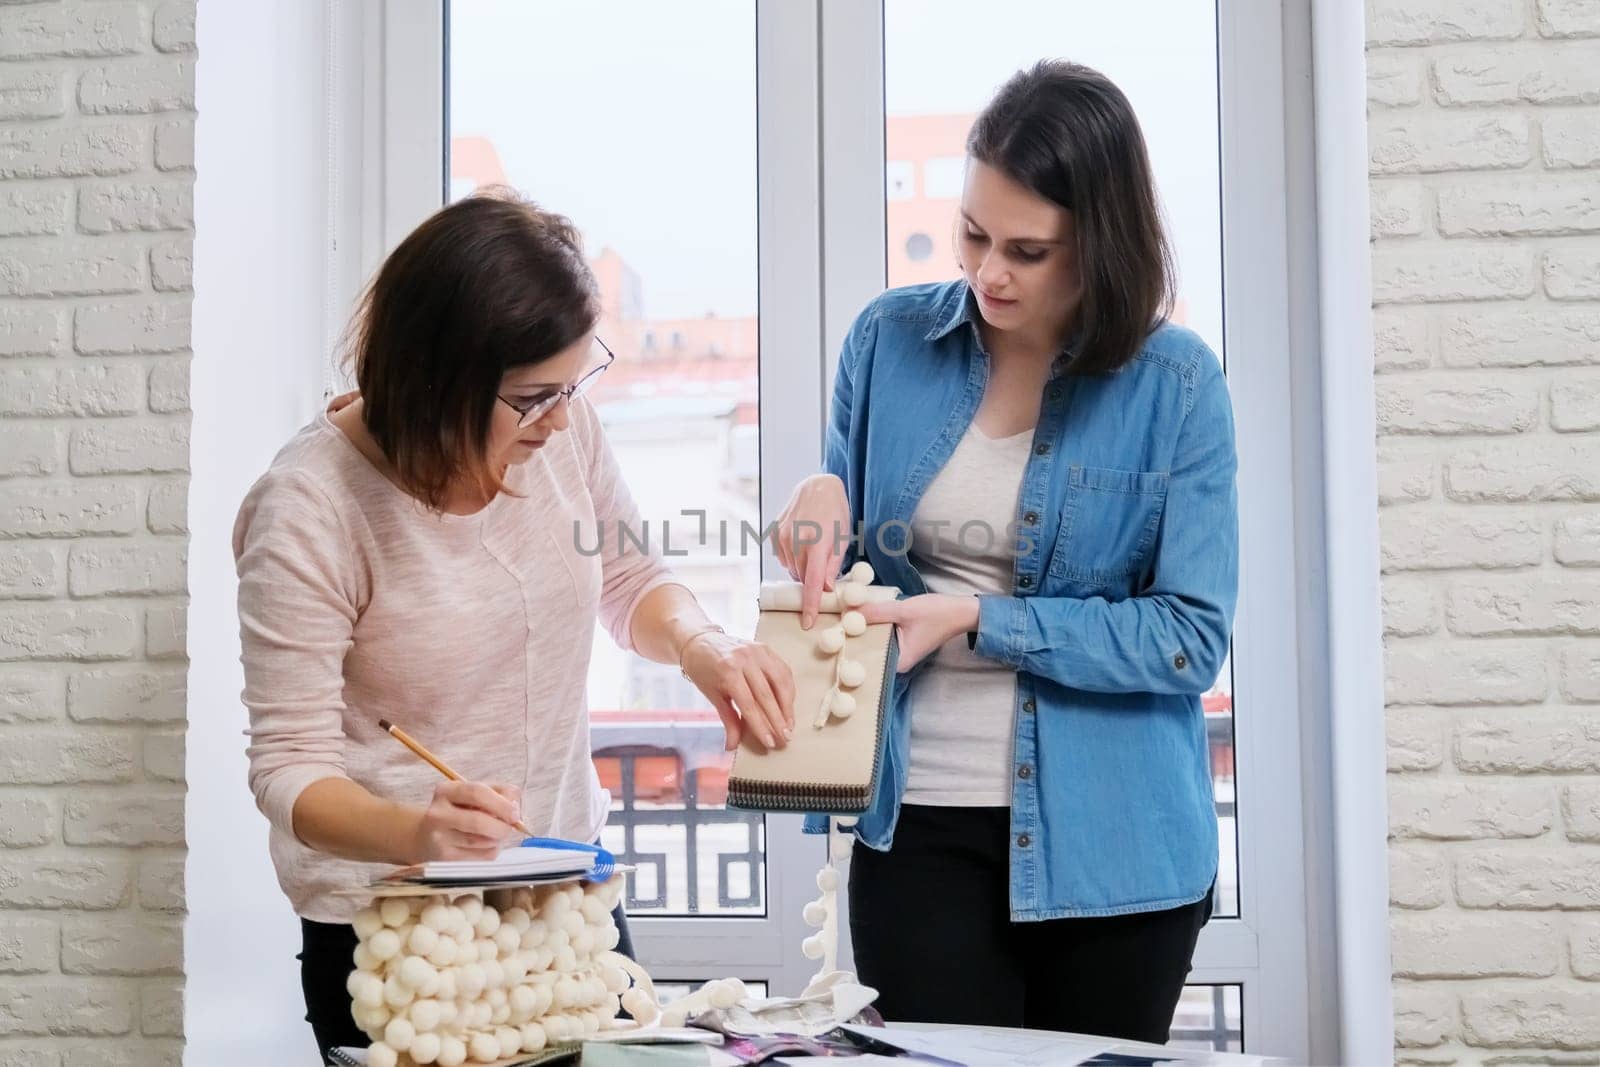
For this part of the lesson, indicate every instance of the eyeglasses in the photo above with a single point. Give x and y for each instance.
(531, 411)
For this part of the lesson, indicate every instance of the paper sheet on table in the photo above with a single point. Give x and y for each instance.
(989, 1048)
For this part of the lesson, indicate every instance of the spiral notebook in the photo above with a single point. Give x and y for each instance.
(832, 768)
(536, 859)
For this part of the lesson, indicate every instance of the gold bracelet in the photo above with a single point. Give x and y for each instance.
(683, 648)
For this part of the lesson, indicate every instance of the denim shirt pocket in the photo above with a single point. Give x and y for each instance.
(1109, 522)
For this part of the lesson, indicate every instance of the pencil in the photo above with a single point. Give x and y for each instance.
(438, 764)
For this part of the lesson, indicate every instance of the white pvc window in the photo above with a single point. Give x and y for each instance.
(810, 142)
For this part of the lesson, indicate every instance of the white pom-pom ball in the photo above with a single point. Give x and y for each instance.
(591, 1024)
(508, 939)
(417, 972)
(422, 939)
(426, 1015)
(852, 594)
(485, 949)
(482, 1015)
(862, 572)
(595, 912)
(398, 1034)
(523, 1001)
(610, 937)
(436, 917)
(583, 943)
(470, 981)
(573, 923)
(425, 1048)
(445, 951)
(533, 935)
(396, 993)
(365, 988)
(557, 939)
(452, 1052)
(471, 906)
(842, 706)
(674, 1018)
(367, 922)
(381, 1055)
(484, 1048)
(488, 922)
(854, 623)
(517, 918)
(815, 913)
(510, 1041)
(636, 1003)
(557, 906)
(533, 1037)
(384, 945)
(516, 968)
(615, 978)
(499, 1015)
(831, 640)
(494, 975)
(827, 879)
(566, 960)
(851, 673)
(373, 1020)
(839, 847)
(727, 993)
(812, 948)
(395, 911)
(365, 960)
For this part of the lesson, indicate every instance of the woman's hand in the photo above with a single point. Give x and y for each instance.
(925, 622)
(811, 537)
(751, 688)
(466, 821)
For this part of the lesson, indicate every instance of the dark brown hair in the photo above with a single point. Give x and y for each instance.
(485, 284)
(1067, 133)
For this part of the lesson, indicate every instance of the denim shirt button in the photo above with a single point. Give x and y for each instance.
(1023, 840)
(1025, 582)
(1180, 661)
(1027, 705)
(1031, 518)
(1041, 450)
(1024, 771)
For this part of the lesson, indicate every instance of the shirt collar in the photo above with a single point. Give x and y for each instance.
(958, 308)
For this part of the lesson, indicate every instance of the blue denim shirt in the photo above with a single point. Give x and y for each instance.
(1120, 607)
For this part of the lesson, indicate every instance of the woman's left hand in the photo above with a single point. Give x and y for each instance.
(751, 688)
(926, 622)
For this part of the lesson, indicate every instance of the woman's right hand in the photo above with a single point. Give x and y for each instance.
(811, 537)
(466, 821)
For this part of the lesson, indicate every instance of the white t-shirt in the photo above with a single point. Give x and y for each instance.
(963, 705)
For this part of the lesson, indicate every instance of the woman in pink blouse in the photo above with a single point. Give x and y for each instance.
(414, 555)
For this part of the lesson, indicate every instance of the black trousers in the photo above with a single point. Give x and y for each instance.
(326, 959)
(931, 924)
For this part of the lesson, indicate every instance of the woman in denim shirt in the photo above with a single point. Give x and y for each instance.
(1045, 466)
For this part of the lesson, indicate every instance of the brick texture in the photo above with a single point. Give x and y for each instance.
(96, 273)
(1484, 138)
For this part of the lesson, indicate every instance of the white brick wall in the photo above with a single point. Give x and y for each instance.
(96, 214)
(1485, 139)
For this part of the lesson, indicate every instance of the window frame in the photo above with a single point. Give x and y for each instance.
(1310, 948)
